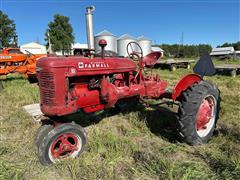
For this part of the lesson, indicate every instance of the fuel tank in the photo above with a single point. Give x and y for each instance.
(81, 66)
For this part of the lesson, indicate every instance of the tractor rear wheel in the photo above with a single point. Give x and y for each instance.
(61, 142)
(198, 112)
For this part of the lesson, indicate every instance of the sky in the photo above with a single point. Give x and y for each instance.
(163, 21)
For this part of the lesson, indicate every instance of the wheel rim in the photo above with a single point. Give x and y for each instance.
(206, 116)
(65, 146)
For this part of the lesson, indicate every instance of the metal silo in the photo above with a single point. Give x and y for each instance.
(145, 44)
(122, 43)
(109, 37)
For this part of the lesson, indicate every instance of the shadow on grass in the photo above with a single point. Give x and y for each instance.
(231, 132)
(32, 79)
(161, 121)
(222, 166)
(230, 73)
(10, 78)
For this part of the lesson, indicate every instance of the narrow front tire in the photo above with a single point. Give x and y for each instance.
(61, 142)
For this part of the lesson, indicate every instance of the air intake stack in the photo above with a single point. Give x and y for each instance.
(89, 26)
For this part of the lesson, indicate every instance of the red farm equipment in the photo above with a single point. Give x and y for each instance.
(70, 84)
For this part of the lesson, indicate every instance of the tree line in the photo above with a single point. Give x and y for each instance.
(8, 35)
(179, 51)
(60, 33)
(236, 45)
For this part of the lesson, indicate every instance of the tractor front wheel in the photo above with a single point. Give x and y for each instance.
(60, 142)
(41, 132)
(198, 112)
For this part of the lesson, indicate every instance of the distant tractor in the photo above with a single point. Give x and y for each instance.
(12, 60)
(71, 84)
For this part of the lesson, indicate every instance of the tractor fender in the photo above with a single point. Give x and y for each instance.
(184, 84)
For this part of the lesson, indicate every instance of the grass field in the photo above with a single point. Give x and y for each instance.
(140, 144)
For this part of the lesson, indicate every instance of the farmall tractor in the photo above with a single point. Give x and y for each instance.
(72, 84)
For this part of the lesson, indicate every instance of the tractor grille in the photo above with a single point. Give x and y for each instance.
(47, 88)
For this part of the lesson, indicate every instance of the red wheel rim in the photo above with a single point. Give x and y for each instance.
(206, 116)
(65, 145)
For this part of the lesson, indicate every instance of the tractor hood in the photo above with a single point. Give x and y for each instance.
(84, 66)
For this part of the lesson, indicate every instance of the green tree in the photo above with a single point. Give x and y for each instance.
(204, 48)
(183, 51)
(8, 36)
(235, 45)
(60, 34)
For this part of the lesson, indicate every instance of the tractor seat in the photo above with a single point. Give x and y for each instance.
(151, 59)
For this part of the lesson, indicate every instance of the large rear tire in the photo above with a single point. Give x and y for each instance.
(61, 142)
(198, 112)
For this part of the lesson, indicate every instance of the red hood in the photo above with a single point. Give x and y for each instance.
(86, 66)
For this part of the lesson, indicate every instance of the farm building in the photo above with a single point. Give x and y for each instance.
(34, 48)
(107, 36)
(122, 43)
(79, 49)
(224, 51)
(76, 49)
(145, 44)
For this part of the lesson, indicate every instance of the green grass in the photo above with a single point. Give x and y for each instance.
(140, 144)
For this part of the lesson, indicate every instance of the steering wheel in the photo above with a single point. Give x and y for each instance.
(135, 55)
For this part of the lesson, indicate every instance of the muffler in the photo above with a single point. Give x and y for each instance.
(89, 29)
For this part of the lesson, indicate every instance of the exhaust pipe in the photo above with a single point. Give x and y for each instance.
(89, 26)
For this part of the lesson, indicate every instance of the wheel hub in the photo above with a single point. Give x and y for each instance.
(64, 146)
(204, 114)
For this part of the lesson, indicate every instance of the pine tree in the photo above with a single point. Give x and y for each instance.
(60, 34)
(8, 36)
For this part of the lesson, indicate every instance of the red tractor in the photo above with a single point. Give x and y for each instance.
(72, 84)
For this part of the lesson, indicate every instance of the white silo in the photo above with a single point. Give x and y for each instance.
(107, 36)
(145, 44)
(122, 43)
